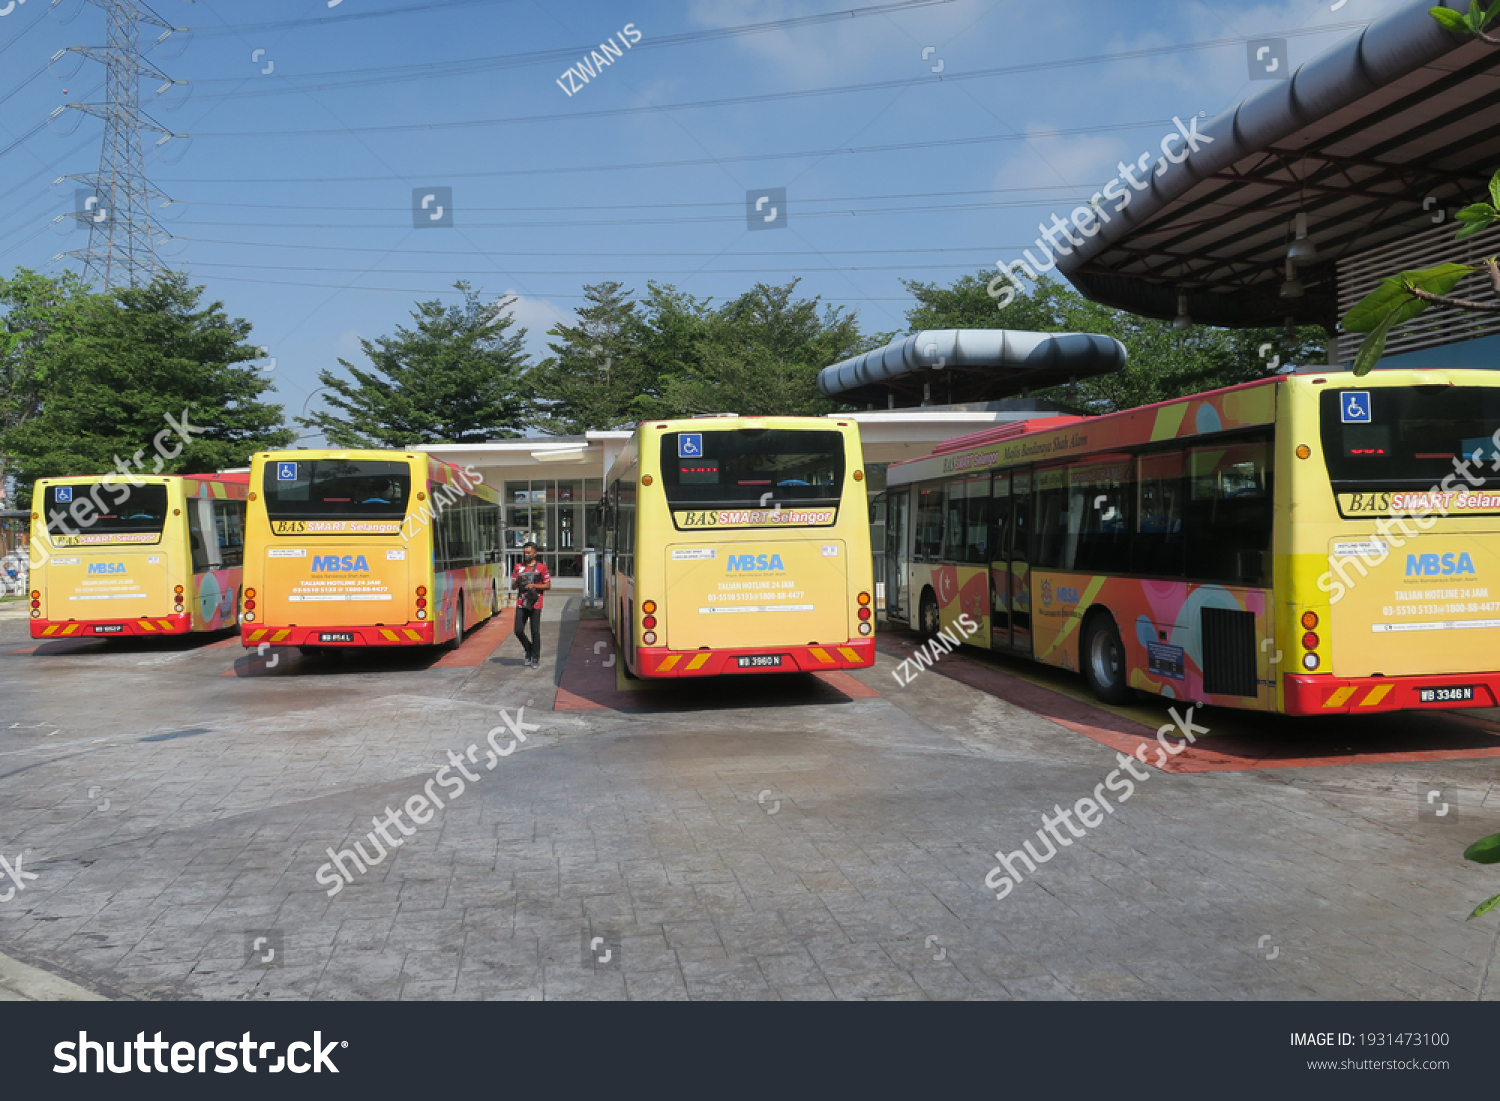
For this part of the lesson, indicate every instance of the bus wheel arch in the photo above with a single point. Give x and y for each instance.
(929, 615)
(1102, 657)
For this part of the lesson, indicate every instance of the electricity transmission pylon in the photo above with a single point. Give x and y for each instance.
(122, 231)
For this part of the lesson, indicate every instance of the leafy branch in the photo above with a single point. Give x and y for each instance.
(1485, 851)
(1474, 23)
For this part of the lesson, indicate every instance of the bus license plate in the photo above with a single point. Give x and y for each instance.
(336, 636)
(1445, 695)
(761, 661)
(109, 628)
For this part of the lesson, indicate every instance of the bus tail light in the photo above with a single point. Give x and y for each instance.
(649, 622)
(649, 638)
(36, 594)
(421, 602)
(178, 591)
(1309, 662)
(249, 605)
(36, 604)
(1309, 621)
(864, 598)
(1309, 641)
(421, 590)
(249, 594)
(864, 628)
(864, 613)
(649, 607)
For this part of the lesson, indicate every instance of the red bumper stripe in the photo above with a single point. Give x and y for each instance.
(658, 661)
(1309, 695)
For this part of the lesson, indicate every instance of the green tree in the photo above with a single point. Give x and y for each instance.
(42, 317)
(454, 378)
(761, 353)
(596, 376)
(674, 326)
(140, 361)
(1163, 362)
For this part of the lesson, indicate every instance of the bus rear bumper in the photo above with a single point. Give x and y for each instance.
(658, 661)
(1306, 695)
(111, 628)
(405, 634)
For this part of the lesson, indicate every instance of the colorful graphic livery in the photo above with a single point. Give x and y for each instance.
(122, 555)
(1276, 546)
(726, 550)
(368, 548)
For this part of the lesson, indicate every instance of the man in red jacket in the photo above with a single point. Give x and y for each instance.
(530, 579)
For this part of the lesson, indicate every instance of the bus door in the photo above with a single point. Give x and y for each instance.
(897, 555)
(999, 540)
(1018, 549)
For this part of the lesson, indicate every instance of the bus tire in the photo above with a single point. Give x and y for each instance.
(458, 627)
(929, 618)
(494, 600)
(1103, 659)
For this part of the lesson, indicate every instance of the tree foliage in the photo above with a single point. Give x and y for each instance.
(453, 378)
(596, 377)
(117, 367)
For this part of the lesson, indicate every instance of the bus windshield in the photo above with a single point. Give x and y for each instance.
(1409, 436)
(749, 466)
(99, 508)
(328, 489)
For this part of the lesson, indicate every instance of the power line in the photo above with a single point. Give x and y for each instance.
(763, 97)
(395, 74)
(793, 268)
(552, 252)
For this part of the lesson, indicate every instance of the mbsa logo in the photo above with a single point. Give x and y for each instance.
(745, 562)
(1430, 565)
(332, 563)
(106, 567)
(1046, 592)
(1067, 595)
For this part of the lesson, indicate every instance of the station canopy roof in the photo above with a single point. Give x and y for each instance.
(969, 365)
(1371, 139)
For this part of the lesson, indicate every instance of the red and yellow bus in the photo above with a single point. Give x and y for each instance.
(136, 555)
(1301, 544)
(349, 548)
(739, 545)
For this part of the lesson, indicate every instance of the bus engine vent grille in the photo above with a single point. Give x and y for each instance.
(1228, 652)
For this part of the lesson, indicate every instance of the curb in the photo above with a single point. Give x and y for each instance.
(22, 982)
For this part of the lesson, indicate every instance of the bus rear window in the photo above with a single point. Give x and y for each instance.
(336, 489)
(1409, 435)
(98, 508)
(761, 468)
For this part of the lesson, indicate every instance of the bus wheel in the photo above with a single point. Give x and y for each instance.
(494, 600)
(1103, 660)
(929, 621)
(458, 627)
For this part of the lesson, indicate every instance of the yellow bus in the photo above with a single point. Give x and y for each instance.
(1311, 544)
(122, 555)
(367, 548)
(739, 545)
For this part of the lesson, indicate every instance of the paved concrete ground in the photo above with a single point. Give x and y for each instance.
(767, 838)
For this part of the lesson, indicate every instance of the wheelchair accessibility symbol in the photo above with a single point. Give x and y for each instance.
(690, 445)
(1355, 405)
(286, 472)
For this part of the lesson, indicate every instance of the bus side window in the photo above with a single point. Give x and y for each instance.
(1053, 545)
(197, 536)
(1229, 513)
(929, 546)
(1159, 532)
(229, 529)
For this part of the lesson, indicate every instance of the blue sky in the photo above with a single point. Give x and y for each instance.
(292, 199)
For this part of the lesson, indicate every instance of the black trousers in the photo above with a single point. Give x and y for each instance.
(532, 616)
